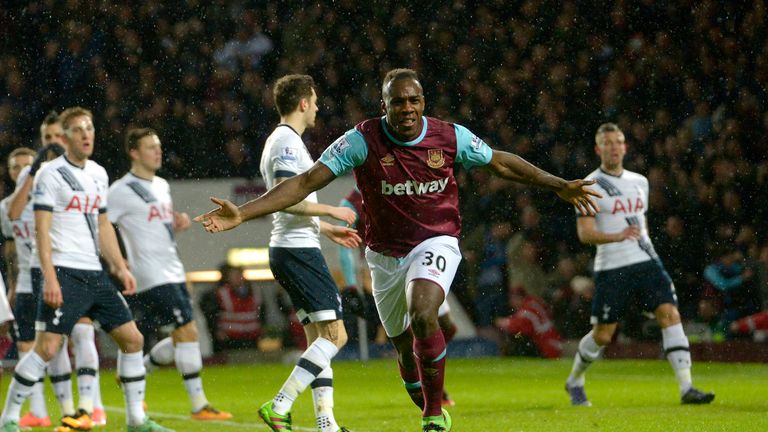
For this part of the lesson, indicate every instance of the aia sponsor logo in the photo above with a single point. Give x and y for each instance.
(83, 205)
(625, 205)
(161, 212)
(435, 158)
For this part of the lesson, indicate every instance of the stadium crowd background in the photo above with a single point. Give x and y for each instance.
(686, 80)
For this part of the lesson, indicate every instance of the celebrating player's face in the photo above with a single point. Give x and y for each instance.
(612, 149)
(81, 136)
(52, 133)
(149, 153)
(311, 112)
(15, 165)
(404, 105)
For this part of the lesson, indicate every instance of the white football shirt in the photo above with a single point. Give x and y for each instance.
(143, 211)
(22, 232)
(285, 155)
(624, 203)
(76, 196)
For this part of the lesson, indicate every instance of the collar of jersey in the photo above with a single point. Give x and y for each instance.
(140, 177)
(406, 143)
(72, 163)
(289, 127)
(612, 175)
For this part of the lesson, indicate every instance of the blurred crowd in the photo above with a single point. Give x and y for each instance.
(686, 80)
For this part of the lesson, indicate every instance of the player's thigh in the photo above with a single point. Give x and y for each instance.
(109, 306)
(658, 292)
(435, 260)
(163, 305)
(388, 288)
(613, 290)
(77, 297)
(303, 273)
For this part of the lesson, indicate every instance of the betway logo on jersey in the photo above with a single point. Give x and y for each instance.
(412, 187)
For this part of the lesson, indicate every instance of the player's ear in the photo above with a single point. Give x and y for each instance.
(303, 104)
(383, 107)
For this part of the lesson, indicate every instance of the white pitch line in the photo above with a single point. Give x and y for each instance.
(156, 414)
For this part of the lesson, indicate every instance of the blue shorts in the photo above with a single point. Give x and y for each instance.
(88, 293)
(302, 272)
(644, 284)
(25, 312)
(162, 305)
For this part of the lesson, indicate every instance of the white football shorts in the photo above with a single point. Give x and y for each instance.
(435, 259)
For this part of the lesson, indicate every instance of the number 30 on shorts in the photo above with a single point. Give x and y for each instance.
(430, 259)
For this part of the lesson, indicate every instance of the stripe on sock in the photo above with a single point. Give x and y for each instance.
(86, 371)
(190, 376)
(24, 381)
(440, 357)
(584, 359)
(412, 386)
(132, 379)
(309, 366)
(322, 382)
(60, 378)
(675, 348)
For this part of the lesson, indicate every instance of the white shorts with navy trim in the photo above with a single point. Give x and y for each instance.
(435, 259)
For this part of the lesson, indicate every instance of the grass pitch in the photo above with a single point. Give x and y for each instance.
(492, 394)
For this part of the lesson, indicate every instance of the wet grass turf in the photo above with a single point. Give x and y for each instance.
(492, 394)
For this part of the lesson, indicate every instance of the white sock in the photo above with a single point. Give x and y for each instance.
(60, 374)
(37, 404)
(130, 369)
(28, 372)
(588, 352)
(37, 398)
(189, 362)
(87, 364)
(97, 402)
(322, 396)
(160, 355)
(316, 358)
(675, 345)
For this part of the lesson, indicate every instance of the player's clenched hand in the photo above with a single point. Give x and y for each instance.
(181, 221)
(128, 281)
(226, 217)
(344, 214)
(631, 232)
(52, 293)
(577, 193)
(344, 236)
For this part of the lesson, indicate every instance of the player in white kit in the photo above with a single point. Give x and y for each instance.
(72, 231)
(141, 207)
(626, 269)
(82, 336)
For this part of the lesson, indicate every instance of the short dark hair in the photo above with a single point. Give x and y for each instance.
(70, 113)
(51, 118)
(397, 74)
(605, 128)
(291, 89)
(135, 135)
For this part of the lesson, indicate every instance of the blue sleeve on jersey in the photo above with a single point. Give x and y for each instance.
(346, 153)
(471, 151)
(715, 277)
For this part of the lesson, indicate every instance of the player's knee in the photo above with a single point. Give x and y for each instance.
(335, 332)
(186, 333)
(423, 321)
(667, 315)
(603, 338)
(48, 346)
(129, 338)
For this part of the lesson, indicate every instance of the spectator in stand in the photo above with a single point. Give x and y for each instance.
(233, 311)
(732, 285)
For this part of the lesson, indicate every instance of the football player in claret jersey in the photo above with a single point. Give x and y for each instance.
(141, 207)
(20, 210)
(627, 269)
(404, 167)
(72, 232)
(297, 262)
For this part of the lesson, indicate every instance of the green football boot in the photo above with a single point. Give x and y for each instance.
(440, 423)
(275, 421)
(11, 426)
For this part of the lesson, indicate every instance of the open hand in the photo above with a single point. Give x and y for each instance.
(577, 193)
(344, 236)
(224, 218)
(344, 214)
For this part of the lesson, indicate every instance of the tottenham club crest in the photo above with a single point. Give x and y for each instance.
(435, 158)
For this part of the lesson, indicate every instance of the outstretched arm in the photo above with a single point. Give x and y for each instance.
(512, 167)
(307, 208)
(285, 194)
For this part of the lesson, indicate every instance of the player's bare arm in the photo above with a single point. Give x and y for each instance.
(343, 236)
(110, 251)
(19, 199)
(512, 167)
(286, 194)
(308, 208)
(588, 234)
(51, 288)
